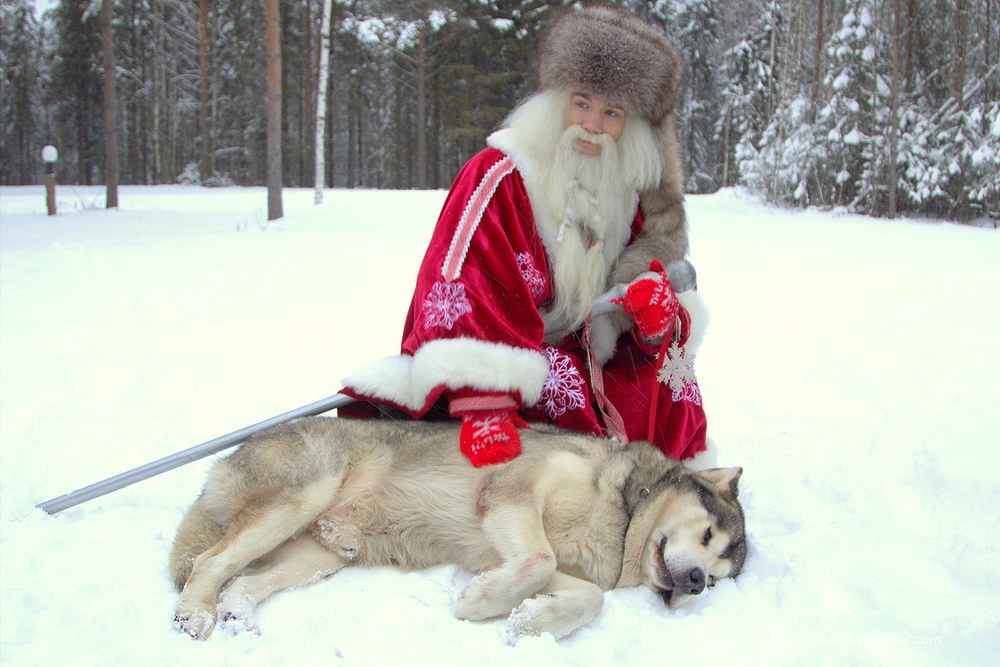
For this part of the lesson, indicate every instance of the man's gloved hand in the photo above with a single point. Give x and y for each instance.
(491, 437)
(651, 302)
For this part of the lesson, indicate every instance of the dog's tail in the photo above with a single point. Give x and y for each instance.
(196, 534)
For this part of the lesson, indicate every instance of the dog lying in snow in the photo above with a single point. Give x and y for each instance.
(549, 532)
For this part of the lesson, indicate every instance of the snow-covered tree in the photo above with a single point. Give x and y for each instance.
(694, 26)
(749, 99)
(392, 123)
(857, 112)
(790, 162)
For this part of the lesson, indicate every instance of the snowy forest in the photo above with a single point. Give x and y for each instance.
(881, 107)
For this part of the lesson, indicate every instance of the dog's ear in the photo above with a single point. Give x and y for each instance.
(723, 479)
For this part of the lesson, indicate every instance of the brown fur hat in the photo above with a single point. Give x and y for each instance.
(614, 55)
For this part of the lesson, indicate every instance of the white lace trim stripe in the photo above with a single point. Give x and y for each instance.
(471, 217)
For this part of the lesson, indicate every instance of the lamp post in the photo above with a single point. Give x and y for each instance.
(50, 155)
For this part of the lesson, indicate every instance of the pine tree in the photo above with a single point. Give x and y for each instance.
(751, 67)
(695, 25)
(791, 160)
(856, 114)
(20, 48)
(75, 92)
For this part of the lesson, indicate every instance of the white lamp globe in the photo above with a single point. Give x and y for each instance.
(50, 154)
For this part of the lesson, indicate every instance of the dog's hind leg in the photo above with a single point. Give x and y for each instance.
(297, 562)
(254, 532)
(517, 534)
(562, 606)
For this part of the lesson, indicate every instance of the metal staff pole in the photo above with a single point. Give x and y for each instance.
(188, 455)
(682, 278)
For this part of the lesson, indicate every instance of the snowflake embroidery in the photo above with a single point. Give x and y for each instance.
(532, 276)
(564, 388)
(488, 432)
(678, 373)
(445, 303)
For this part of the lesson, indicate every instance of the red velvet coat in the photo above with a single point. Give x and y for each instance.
(474, 337)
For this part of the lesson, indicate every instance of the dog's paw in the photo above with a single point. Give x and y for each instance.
(480, 599)
(558, 613)
(236, 614)
(198, 624)
(520, 622)
(233, 624)
(336, 536)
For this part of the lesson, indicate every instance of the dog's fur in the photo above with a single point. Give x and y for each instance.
(571, 517)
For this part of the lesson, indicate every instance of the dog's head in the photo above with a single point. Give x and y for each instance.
(686, 533)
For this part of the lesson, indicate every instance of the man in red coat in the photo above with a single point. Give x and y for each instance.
(581, 190)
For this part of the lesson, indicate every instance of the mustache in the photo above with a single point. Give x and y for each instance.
(577, 132)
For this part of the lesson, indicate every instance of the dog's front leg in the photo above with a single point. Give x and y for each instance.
(562, 606)
(517, 534)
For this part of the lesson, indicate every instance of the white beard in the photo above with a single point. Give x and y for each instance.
(584, 205)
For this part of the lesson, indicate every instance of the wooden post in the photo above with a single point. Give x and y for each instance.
(110, 128)
(274, 165)
(50, 193)
(49, 156)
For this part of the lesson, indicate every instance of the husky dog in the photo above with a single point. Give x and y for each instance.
(573, 516)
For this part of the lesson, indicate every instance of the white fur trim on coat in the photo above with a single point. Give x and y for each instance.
(603, 337)
(695, 306)
(456, 363)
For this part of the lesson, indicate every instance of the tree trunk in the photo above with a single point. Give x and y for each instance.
(422, 107)
(771, 64)
(800, 47)
(817, 60)
(911, 36)
(725, 145)
(352, 111)
(134, 115)
(213, 85)
(958, 70)
(306, 107)
(203, 87)
(324, 74)
(274, 208)
(360, 136)
(894, 110)
(110, 133)
(159, 91)
(989, 51)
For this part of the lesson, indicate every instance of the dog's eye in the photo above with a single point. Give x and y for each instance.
(707, 537)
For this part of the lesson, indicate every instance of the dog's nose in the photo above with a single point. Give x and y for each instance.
(695, 581)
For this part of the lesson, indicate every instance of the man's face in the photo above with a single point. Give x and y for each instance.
(595, 115)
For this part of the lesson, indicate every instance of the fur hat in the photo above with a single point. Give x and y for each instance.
(614, 55)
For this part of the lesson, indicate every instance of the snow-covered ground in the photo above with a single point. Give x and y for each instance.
(852, 368)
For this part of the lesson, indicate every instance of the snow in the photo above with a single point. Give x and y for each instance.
(503, 25)
(851, 367)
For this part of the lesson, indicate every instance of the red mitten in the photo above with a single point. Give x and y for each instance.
(651, 303)
(489, 438)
